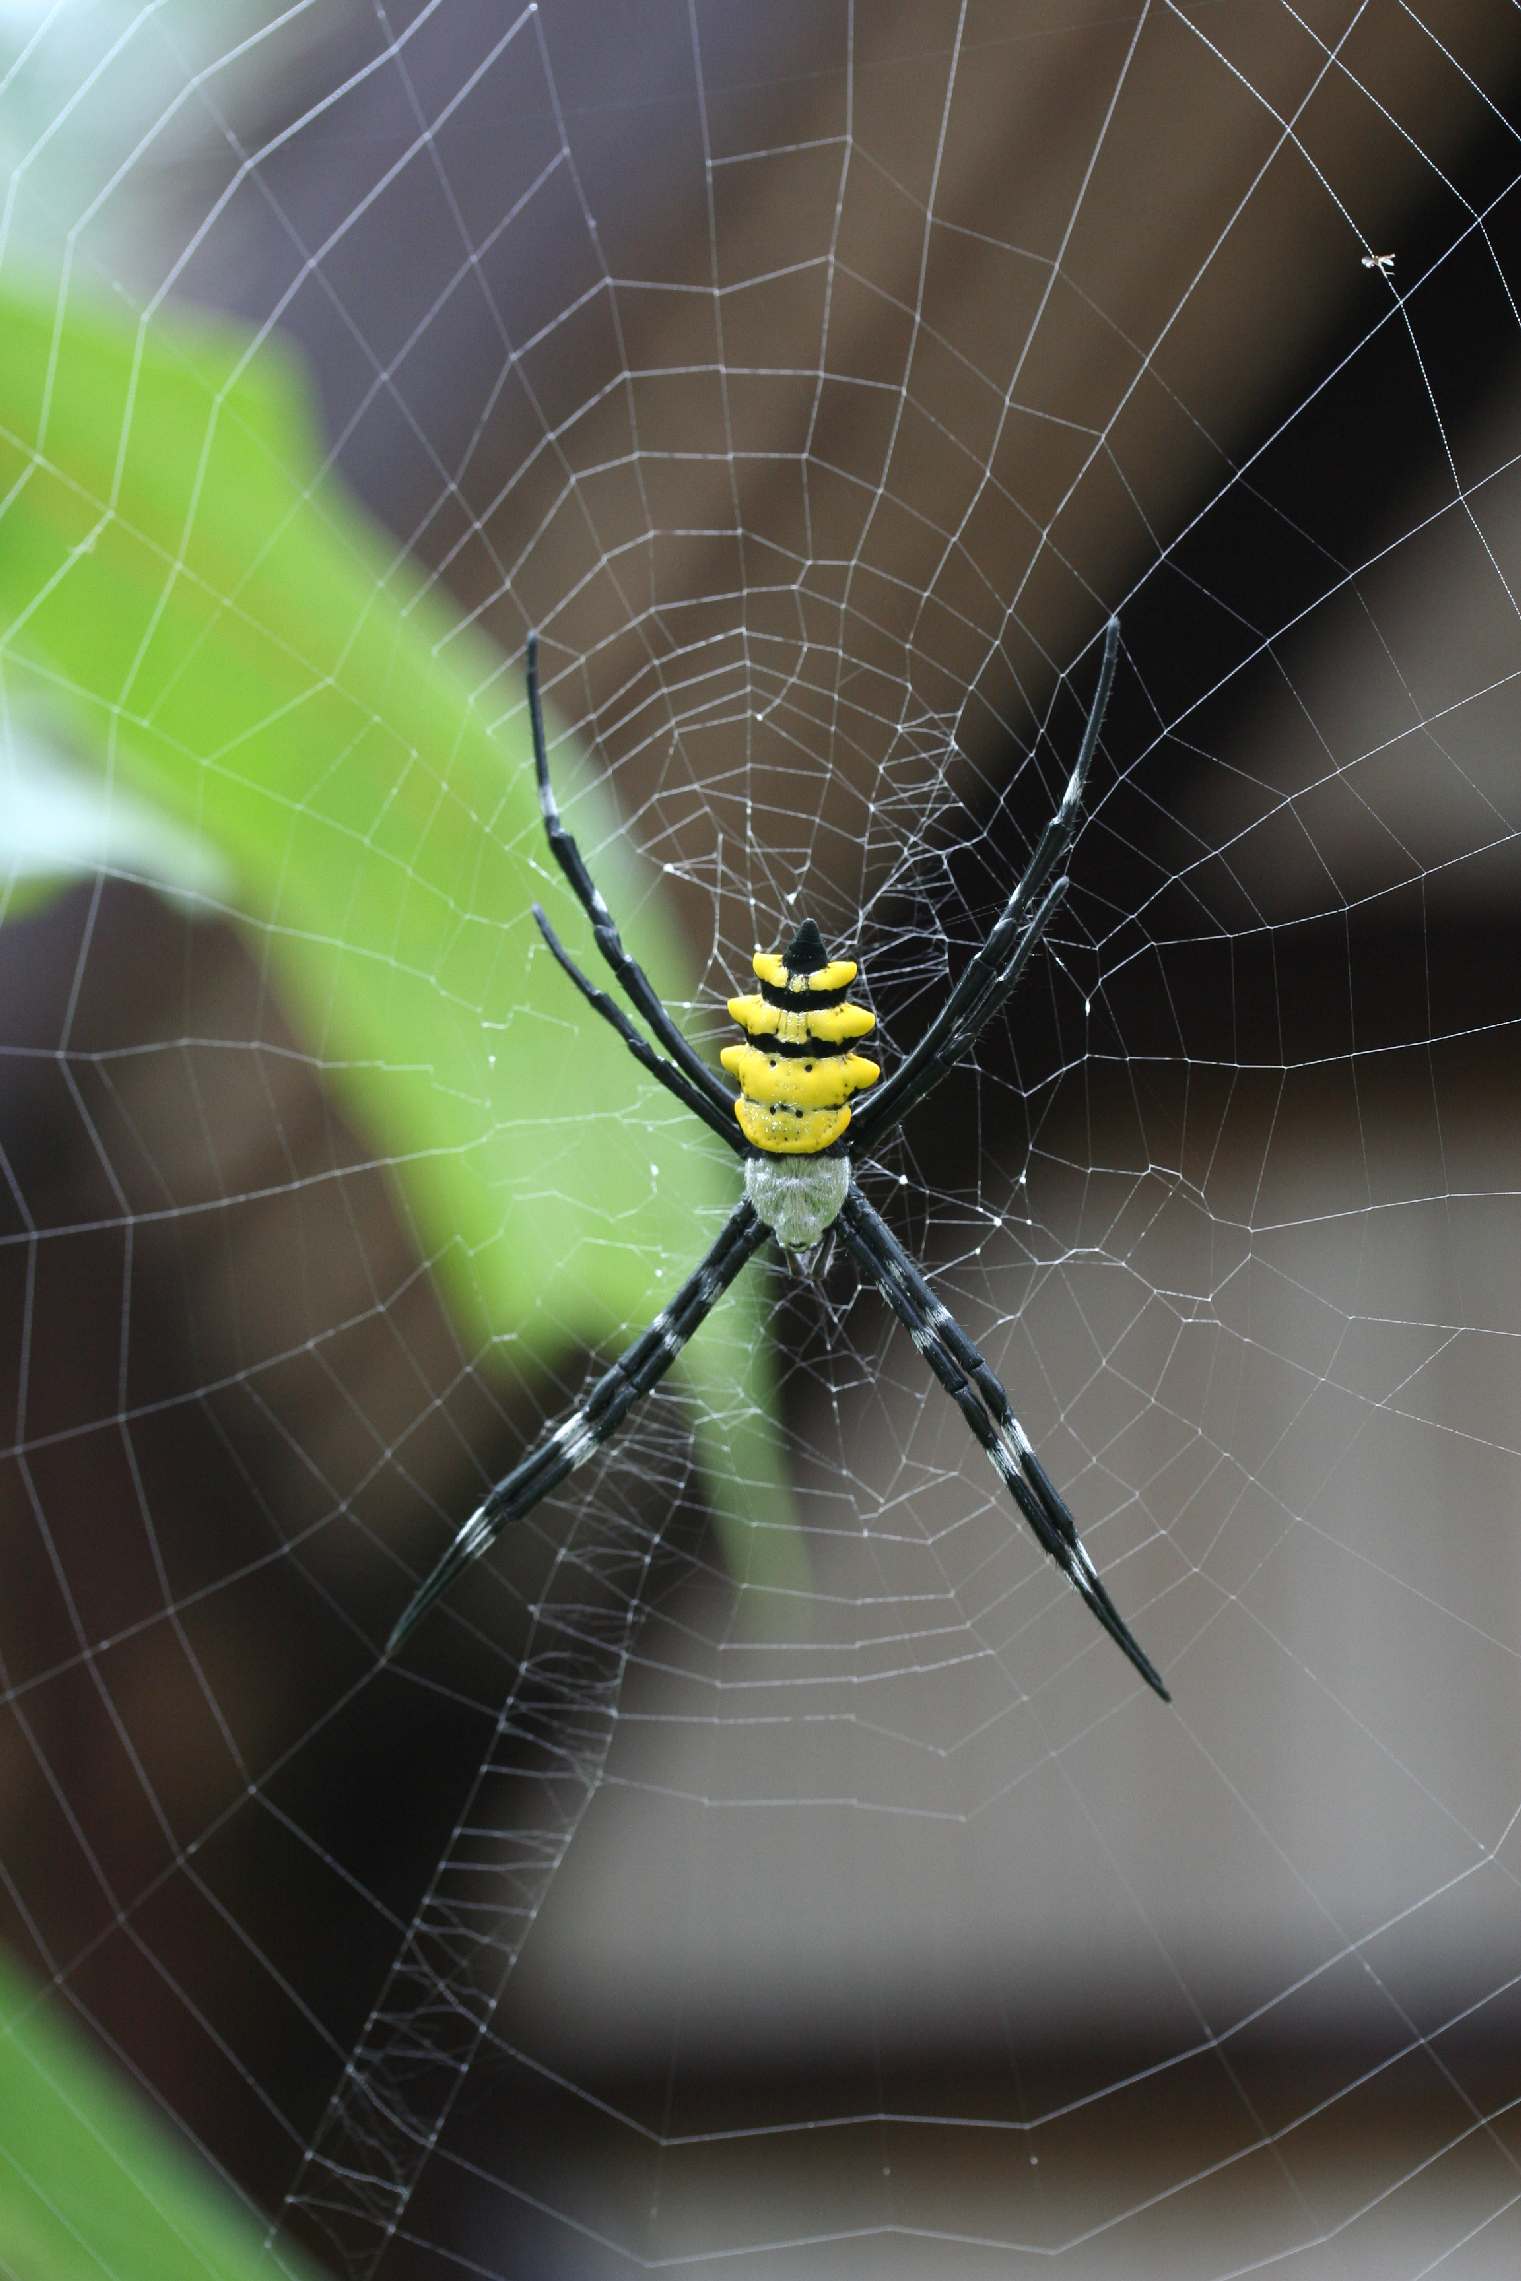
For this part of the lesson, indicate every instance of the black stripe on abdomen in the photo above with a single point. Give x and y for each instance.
(812, 1049)
(802, 1001)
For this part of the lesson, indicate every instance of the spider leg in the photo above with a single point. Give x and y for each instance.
(1000, 986)
(636, 984)
(942, 1046)
(979, 1396)
(642, 1051)
(994, 969)
(582, 1434)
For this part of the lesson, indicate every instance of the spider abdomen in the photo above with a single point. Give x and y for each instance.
(795, 1084)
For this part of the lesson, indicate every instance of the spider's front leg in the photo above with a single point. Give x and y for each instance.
(578, 1437)
(979, 1396)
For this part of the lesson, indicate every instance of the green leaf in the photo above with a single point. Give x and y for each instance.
(218, 629)
(57, 821)
(90, 2188)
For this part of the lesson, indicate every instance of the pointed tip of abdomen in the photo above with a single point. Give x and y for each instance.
(806, 953)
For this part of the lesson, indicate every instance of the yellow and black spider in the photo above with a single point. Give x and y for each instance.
(795, 1129)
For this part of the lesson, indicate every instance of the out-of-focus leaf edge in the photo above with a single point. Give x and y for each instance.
(195, 599)
(89, 2185)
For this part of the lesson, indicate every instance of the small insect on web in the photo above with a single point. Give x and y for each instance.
(794, 1127)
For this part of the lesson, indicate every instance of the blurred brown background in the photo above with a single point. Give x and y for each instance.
(816, 379)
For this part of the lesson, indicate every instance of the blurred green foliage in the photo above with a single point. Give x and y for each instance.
(88, 2186)
(198, 611)
(217, 676)
(194, 608)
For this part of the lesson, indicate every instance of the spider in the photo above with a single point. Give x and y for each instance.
(798, 1136)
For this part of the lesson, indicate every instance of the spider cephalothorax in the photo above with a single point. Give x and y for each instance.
(795, 1129)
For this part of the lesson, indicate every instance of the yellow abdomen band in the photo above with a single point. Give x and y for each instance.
(794, 1090)
(784, 1131)
(833, 1025)
(822, 1084)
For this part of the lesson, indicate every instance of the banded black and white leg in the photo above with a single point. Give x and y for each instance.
(641, 1049)
(578, 1437)
(635, 983)
(979, 1395)
(993, 972)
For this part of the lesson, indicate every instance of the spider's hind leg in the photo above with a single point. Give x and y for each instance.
(993, 972)
(635, 983)
(643, 1052)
